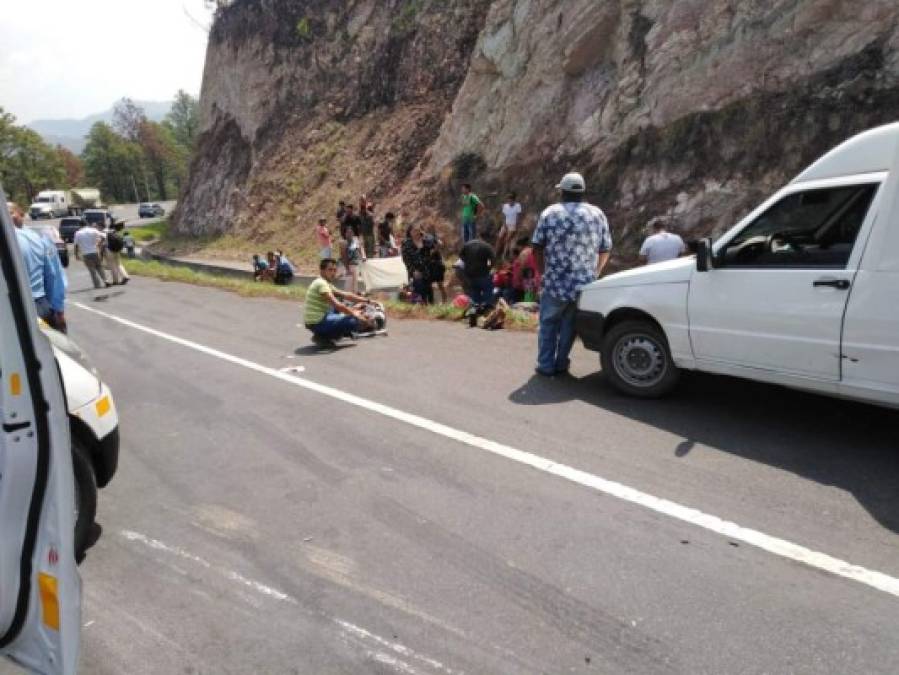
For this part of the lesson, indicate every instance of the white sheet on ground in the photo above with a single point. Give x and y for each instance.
(380, 274)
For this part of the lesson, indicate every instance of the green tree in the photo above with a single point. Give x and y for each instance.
(161, 156)
(112, 163)
(184, 119)
(127, 118)
(27, 164)
(72, 165)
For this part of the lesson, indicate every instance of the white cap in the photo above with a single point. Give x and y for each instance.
(572, 182)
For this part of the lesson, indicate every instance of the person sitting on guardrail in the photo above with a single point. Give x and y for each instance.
(259, 267)
(326, 313)
(283, 270)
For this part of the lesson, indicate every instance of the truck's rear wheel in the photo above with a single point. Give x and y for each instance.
(85, 499)
(637, 361)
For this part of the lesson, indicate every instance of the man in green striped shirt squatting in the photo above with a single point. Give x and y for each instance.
(325, 315)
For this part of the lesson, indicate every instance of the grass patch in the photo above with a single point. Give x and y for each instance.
(515, 320)
(245, 287)
(522, 321)
(147, 233)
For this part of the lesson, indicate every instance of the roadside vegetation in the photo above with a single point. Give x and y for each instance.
(146, 233)
(132, 159)
(245, 287)
(295, 292)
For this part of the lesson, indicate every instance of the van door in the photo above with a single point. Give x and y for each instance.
(40, 590)
(776, 296)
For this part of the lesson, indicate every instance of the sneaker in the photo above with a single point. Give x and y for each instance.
(545, 373)
(322, 341)
(126, 280)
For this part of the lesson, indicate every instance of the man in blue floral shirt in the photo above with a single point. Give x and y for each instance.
(571, 246)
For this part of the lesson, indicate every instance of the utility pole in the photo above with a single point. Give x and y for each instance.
(146, 185)
(134, 185)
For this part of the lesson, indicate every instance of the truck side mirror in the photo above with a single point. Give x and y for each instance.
(704, 255)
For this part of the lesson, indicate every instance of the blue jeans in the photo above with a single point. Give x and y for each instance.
(469, 231)
(335, 325)
(481, 291)
(556, 335)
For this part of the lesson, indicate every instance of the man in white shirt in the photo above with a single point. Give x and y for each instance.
(661, 246)
(511, 218)
(88, 246)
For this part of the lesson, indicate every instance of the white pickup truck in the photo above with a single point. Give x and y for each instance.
(803, 292)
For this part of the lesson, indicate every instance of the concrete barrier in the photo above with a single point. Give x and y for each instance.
(212, 268)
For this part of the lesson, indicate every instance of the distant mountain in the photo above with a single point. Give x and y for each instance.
(70, 133)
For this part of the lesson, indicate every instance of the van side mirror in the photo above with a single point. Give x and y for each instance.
(704, 255)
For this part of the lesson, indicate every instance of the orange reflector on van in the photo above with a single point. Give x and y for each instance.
(49, 600)
(15, 384)
(104, 405)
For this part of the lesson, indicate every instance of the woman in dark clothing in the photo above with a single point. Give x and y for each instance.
(436, 266)
(416, 258)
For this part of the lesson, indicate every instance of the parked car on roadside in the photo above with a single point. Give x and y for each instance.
(69, 226)
(801, 292)
(52, 234)
(94, 429)
(150, 211)
(98, 217)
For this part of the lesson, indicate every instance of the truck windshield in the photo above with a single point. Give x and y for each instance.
(42, 200)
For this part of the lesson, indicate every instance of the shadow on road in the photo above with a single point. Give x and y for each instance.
(851, 446)
(314, 350)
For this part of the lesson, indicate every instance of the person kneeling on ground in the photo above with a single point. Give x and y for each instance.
(325, 315)
(260, 267)
(283, 270)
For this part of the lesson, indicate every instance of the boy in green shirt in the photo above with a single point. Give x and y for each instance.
(325, 315)
(471, 207)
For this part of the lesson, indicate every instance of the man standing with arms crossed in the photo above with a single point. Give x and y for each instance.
(572, 244)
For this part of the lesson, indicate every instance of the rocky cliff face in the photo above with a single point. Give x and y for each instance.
(691, 110)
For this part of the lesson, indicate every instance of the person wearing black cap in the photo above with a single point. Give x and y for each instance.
(115, 243)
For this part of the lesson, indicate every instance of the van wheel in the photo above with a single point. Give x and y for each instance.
(85, 500)
(637, 361)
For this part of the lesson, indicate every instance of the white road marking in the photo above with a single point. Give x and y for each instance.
(775, 545)
(361, 635)
(231, 575)
(396, 647)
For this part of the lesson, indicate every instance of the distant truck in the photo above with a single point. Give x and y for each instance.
(58, 203)
(82, 199)
(49, 204)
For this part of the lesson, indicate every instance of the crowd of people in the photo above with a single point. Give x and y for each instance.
(568, 249)
(544, 269)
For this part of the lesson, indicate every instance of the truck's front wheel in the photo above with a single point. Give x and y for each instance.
(85, 499)
(637, 361)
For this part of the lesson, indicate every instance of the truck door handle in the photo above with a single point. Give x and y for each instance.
(839, 284)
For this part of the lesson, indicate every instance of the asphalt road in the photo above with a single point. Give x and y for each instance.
(263, 525)
(126, 212)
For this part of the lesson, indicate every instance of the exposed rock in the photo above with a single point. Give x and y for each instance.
(692, 109)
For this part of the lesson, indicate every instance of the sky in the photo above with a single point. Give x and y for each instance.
(73, 58)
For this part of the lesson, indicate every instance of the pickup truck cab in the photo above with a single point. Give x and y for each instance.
(802, 292)
(49, 204)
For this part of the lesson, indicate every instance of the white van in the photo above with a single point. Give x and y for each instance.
(49, 204)
(802, 292)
